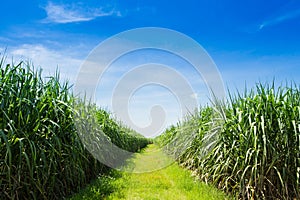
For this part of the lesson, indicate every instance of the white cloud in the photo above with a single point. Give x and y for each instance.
(47, 59)
(279, 19)
(194, 95)
(71, 13)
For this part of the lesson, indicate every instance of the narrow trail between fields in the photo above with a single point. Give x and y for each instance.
(170, 182)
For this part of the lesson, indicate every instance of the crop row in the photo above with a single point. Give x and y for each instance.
(42, 155)
(248, 146)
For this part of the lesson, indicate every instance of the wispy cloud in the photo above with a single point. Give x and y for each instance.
(63, 13)
(280, 18)
(48, 59)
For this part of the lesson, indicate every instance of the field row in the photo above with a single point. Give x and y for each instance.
(248, 146)
(42, 130)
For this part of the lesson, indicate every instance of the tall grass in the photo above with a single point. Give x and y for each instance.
(256, 153)
(121, 135)
(108, 140)
(41, 154)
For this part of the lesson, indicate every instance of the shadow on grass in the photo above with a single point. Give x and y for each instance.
(99, 188)
(108, 183)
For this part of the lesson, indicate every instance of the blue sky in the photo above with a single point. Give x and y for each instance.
(249, 41)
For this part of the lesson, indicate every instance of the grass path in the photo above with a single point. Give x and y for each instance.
(172, 182)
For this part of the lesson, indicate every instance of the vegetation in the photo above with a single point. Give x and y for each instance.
(41, 152)
(171, 182)
(118, 133)
(249, 146)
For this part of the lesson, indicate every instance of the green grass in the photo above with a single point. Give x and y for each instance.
(171, 182)
(100, 187)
